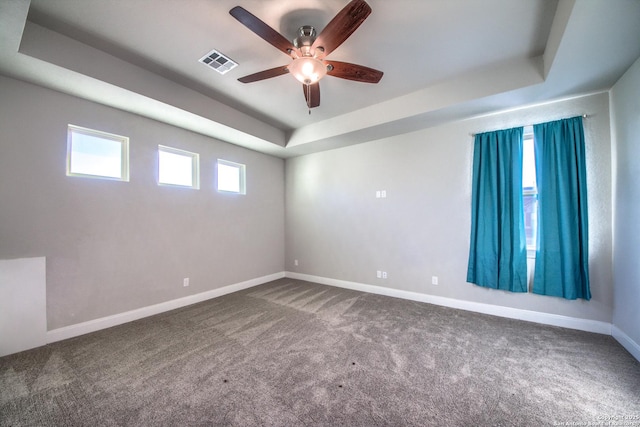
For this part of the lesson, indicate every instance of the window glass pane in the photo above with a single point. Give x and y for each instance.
(528, 166)
(531, 218)
(177, 167)
(231, 177)
(97, 154)
(529, 191)
(228, 178)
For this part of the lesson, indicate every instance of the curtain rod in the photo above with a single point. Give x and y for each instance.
(584, 116)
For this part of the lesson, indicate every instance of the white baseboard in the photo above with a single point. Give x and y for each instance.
(129, 316)
(626, 341)
(508, 312)
(495, 310)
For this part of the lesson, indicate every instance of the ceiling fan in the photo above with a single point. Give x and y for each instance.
(309, 50)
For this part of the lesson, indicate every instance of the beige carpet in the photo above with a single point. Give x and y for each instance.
(292, 353)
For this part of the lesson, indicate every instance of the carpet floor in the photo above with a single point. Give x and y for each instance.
(294, 353)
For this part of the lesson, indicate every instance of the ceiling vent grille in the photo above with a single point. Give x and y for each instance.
(218, 62)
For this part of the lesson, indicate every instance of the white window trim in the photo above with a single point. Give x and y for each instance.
(195, 167)
(243, 177)
(124, 153)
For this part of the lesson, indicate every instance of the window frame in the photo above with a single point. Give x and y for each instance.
(195, 166)
(242, 176)
(124, 152)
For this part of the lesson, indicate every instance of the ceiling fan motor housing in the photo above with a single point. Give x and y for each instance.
(306, 36)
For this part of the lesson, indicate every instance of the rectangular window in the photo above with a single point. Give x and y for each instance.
(529, 190)
(178, 167)
(231, 177)
(91, 153)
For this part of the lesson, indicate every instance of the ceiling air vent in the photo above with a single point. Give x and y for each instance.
(218, 61)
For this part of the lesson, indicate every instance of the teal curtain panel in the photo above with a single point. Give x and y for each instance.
(497, 253)
(562, 268)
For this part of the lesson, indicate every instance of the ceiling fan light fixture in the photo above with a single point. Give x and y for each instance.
(307, 70)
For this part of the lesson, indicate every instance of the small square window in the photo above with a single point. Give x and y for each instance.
(178, 167)
(231, 177)
(91, 153)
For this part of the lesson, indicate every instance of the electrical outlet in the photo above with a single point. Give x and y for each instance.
(295, 262)
(185, 282)
(384, 275)
(434, 280)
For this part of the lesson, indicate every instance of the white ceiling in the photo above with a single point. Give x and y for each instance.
(442, 60)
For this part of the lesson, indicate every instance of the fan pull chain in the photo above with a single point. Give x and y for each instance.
(309, 98)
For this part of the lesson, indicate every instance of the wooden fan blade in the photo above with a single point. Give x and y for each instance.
(267, 33)
(313, 92)
(266, 74)
(342, 26)
(358, 73)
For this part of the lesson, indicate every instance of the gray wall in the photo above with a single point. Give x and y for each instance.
(337, 229)
(116, 246)
(625, 109)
